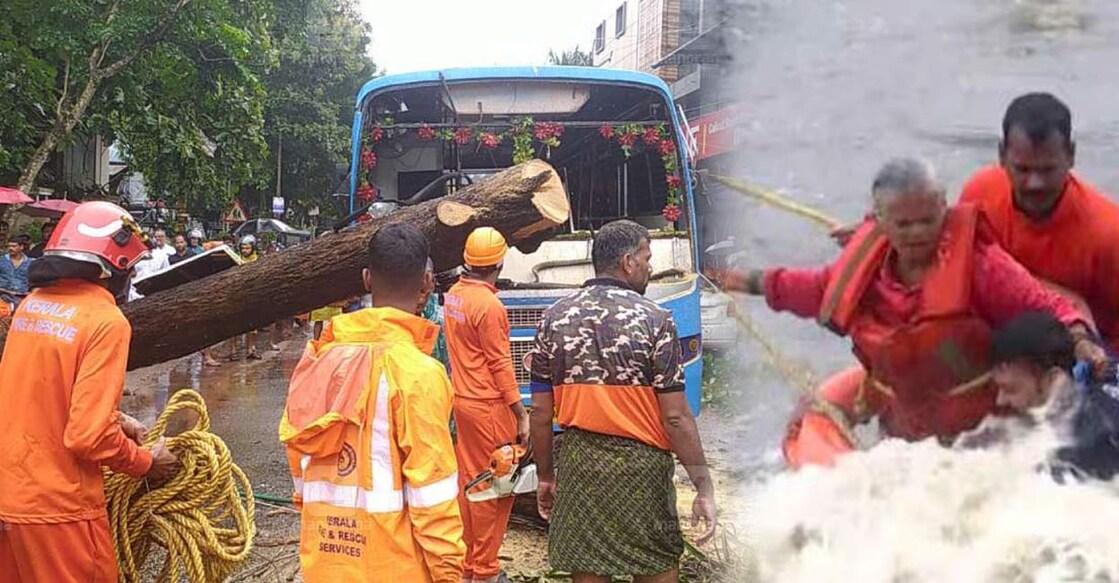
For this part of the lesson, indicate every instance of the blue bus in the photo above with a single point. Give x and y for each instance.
(616, 138)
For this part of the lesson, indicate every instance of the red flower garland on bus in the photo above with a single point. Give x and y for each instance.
(523, 133)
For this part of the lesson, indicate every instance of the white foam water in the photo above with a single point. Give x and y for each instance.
(916, 512)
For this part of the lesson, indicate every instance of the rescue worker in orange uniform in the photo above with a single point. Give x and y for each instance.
(488, 408)
(918, 290)
(367, 436)
(1054, 223)
(61, 380)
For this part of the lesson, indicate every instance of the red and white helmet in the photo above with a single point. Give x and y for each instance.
(101, 233)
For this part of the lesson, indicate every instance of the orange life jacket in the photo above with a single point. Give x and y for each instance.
(934, 363)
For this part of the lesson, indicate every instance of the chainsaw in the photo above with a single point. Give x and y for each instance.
(511, 472)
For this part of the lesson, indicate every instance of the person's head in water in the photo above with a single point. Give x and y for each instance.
(621, 251)
(910, 205)
(396, 271)
(1037, 151)
(484, 254)
(1031, 354)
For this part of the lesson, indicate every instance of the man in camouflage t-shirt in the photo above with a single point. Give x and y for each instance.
(607, 362)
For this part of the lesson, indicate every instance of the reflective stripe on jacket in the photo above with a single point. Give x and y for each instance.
(366, 427)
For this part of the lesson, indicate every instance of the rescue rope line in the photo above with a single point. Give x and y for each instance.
(803, 380)
(202, 518)
(777, 200)
(799, 376)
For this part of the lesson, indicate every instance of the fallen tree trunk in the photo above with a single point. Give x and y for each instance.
(524, 202)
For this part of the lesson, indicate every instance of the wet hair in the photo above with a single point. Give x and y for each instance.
(1039, 115)
(903, 176)
(398, 253)
(1037, 338)
(613, 241)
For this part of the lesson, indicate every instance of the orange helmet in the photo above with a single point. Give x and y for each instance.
(485, 247)
(101, 233)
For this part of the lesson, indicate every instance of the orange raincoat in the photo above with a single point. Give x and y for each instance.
(366, 429)
(61, 380)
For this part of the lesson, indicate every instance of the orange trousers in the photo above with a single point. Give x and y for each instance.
(483, 426)
(57, 553)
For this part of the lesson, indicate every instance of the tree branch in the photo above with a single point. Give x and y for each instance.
(113, 12)
(98, 56)
(65, 89)
(104, 51)
(147, 41)
(206, 59)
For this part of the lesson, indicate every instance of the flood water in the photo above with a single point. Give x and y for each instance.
(833, 89)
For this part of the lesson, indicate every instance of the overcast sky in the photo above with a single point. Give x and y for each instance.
(416, 35)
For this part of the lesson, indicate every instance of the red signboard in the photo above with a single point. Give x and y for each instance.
(235, 214)
(719, 132)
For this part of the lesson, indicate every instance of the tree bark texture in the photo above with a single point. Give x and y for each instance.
(525, 202)
(68, 118)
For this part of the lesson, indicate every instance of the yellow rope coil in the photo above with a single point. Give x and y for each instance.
(202, 518)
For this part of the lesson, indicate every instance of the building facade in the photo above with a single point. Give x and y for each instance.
(691, 44)
(636, 35)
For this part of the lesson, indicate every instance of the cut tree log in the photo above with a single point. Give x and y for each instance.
(525, 202)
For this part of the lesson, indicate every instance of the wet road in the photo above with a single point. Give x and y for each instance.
(244, 399)
(836, 87)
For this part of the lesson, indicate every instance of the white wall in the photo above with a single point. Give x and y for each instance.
(619, 52)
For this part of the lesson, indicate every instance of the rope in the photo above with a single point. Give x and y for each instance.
(778, 200)
(200, 517)
(799, 376)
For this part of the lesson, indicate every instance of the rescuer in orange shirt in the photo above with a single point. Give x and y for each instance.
(488, 408)
(1058, 226)
(61, 380)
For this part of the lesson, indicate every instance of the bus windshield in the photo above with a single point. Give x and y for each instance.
(615, 145)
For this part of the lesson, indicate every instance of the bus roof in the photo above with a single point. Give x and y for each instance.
(545, 73)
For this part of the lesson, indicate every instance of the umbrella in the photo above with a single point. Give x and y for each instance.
(13, 196)
(51, 208)
(257, 226)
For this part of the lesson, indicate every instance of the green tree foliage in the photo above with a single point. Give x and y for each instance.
(322, 46)
(574, 57)
(198, 93)
(178, 81)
